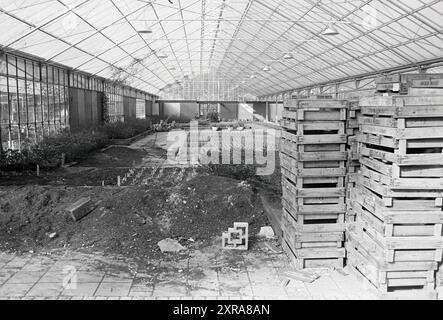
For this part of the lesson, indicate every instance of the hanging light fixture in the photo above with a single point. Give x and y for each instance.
(146, 29)
(288, 56)
(162, 55)
(252, 76)
(330, 30)
(266, 68)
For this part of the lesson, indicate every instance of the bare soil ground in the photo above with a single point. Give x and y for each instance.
(129, 220)
(191, 205)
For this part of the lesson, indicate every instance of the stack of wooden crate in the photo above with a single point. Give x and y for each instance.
(313, 160)
(396, 242)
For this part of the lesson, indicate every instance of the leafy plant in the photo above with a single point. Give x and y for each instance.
(48, 153)
(125, 130)
(105, 108)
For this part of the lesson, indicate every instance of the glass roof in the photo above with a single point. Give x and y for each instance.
(233, 39)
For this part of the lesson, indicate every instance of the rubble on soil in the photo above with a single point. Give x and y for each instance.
(170, 245)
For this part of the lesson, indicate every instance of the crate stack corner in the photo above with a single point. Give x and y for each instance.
(396, 240)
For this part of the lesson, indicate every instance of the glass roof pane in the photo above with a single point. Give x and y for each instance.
(232, 39)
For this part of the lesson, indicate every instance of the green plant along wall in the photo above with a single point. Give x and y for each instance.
(33, 100)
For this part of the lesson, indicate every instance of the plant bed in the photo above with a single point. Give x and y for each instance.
(128, 141)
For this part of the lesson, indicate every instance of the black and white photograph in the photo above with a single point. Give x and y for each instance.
(221, 158)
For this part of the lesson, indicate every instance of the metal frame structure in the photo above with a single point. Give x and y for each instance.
(229, 40)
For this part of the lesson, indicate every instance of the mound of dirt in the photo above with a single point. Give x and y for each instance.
(129, 221)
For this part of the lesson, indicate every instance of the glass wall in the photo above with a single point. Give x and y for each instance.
(33, 98)
(115, 103)
(141, 109)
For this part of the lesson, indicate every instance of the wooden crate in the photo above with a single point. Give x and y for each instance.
(426, 92)
(403, 107)
(391, 78)
(321, 137)
(315, 257)
(415, 178)
(311, 214)
(392, 230)
(387, 278)
(388, 192)
(396, 249)
(296, 111)
(422, 80)
(316, 105)
(292, 149)
(306, 236)
(336, 179)
(312, 168)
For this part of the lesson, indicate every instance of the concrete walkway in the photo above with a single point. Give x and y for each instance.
(208, 274)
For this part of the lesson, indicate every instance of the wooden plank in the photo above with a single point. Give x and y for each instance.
(394, 78)
(378, 154)
(80, 208)
(381, 122)
(316, 104)
(300, 276)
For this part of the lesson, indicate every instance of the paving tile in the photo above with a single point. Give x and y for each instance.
(267, 289)
(46, 290)
(232, 290)
(81, 289)
(14, 290)
(26, 277)
(204, 293)
(89, 276)
(53, 277)
(325, 287)
(112, 289)
(17, 263)
(36, 264)
(115, 278)
(170, 290)
(6, 274)
(263, 275)
(141, 290)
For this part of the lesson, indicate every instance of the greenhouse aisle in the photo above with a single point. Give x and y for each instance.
(199, 275)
